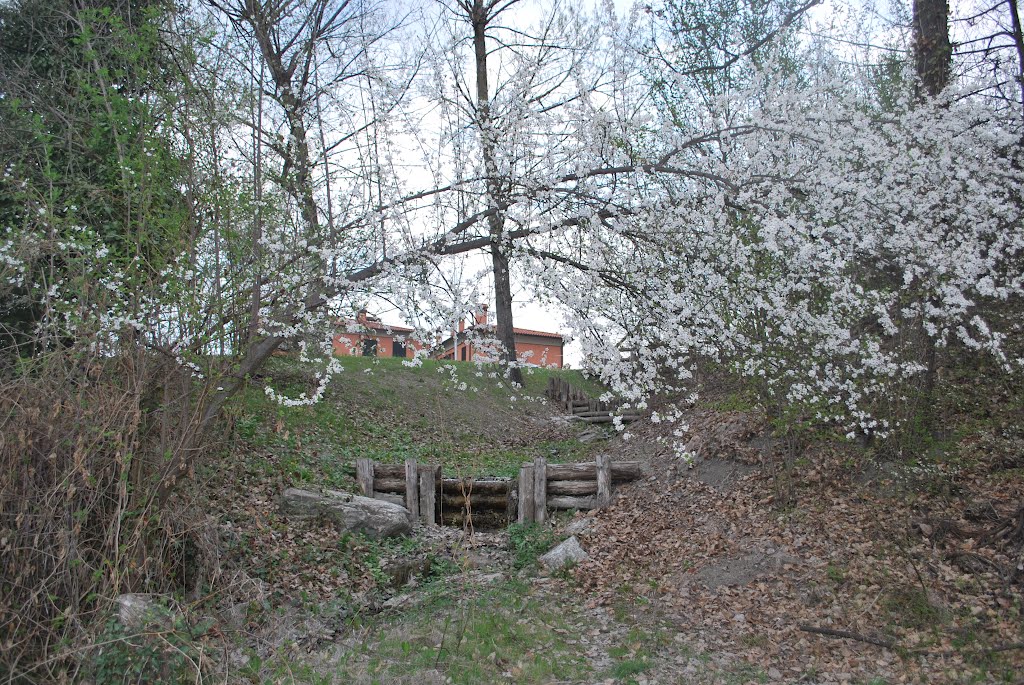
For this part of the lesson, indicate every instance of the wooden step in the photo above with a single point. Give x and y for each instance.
(588, 414)
(606, 418)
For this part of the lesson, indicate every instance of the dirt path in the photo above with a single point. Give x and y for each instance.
(494, 623)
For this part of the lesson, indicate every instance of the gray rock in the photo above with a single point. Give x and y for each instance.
(353, 513)
(568, 552)
(390, 497)
(592, 435)
(581, 526)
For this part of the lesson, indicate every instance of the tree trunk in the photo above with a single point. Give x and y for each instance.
(932, 50)
(503, 305)
(933, 55)
(1018, 42)
(479, 19)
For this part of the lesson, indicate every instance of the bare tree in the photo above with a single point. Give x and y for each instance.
(308, 53)
(516, 77)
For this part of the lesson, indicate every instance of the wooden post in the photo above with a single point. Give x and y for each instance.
(412, 489)
(604, 481)
(428, 490)
(364, 476)
(540, 489)
(525, 493)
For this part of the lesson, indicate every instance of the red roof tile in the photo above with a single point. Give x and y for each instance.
(376, 326)
(542, 334)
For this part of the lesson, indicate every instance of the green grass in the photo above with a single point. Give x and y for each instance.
(636, 654)
(528, 542)
(500, 634)
(379, 408)
(909, 606)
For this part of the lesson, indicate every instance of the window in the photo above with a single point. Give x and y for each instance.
(397, 348)
(370, 348)
(464, 349)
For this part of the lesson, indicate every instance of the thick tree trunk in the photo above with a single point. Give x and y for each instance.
(932, 50)
(503, 305)
(933, 55)
(479, 19)
(1018, 42)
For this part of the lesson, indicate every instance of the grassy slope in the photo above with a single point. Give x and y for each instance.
(286, 573)
(456, 415)
(459, 415)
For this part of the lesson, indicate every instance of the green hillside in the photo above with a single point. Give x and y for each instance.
(463, 416)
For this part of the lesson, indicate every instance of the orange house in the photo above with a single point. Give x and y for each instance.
(478, 343)
(367, 336)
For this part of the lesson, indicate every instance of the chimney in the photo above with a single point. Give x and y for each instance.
(361, 316)
(481, 315)
(462, 326)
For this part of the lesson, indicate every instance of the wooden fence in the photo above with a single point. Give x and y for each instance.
(432, 498)
(587, 485)
(576, 402)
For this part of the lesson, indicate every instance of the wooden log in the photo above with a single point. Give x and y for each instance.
(455, 486)
(412, 488)
(389, 470)
(569, 502)
(511, 505)
(572, 487)
(386, 471)
(607, 419)
(604, 481)
(477, 501)
(540, 489)
(364, 476)
(622, 471)
(525, 494)
(428, 493)
(484, 518)
(604, 412)
(389, 485)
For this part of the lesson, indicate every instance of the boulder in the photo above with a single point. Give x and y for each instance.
(581, 526)
(568, 552)
(372, 517)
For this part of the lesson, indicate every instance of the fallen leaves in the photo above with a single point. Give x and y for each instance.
(849, 569)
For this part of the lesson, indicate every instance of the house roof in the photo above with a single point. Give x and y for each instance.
(516, 331)
(375, 326)
(540, 334)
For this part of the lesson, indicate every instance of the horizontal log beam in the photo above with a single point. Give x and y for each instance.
(387, 471)
(569, 502)
(389, 484)
(455, 486)
(605, 412)
(572, 487)
(606, 419)
(477, 501)
(622, 471)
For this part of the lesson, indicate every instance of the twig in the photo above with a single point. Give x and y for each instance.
(829, 632)
(973, 556)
